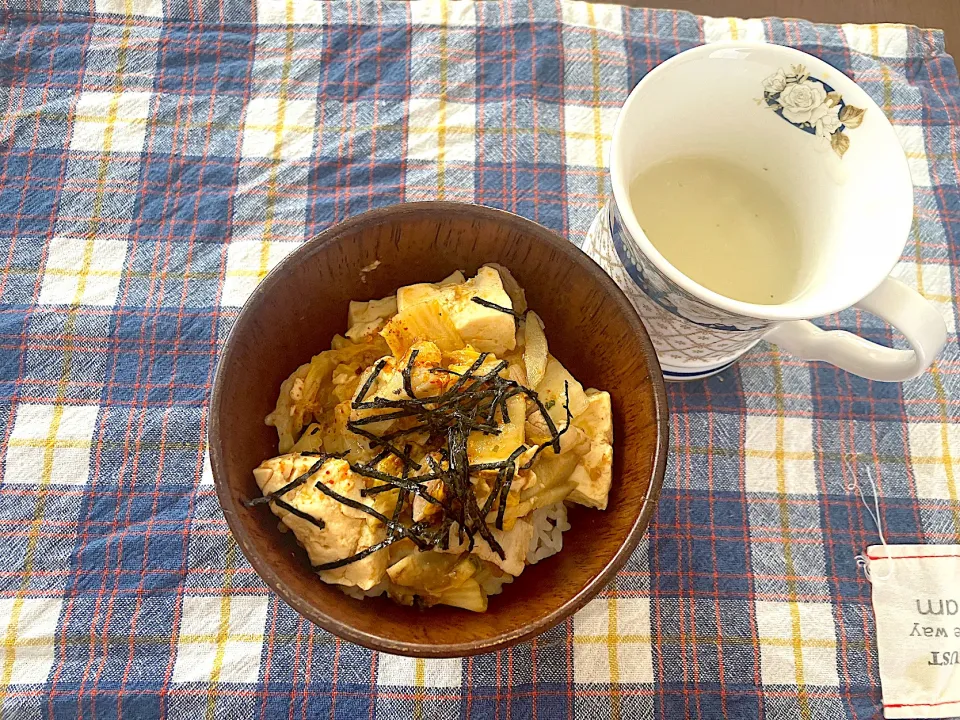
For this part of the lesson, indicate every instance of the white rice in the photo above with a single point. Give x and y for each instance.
(549, 524)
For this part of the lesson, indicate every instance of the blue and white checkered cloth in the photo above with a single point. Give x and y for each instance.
(158, 157)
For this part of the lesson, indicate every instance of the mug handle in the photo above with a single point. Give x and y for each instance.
(900, 306)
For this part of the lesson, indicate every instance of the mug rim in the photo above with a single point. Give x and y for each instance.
(831, 302)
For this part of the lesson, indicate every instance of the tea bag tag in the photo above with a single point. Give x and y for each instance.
(916, 600)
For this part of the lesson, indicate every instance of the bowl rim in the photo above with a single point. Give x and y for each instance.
(268, 573)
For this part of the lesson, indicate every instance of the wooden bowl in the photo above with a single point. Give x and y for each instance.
(591, 328)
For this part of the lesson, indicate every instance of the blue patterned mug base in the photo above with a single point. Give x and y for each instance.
(686, 376)
(693, 341)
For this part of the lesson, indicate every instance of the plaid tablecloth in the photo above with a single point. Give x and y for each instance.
(157, 157)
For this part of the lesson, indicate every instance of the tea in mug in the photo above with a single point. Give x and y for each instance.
(723, 227)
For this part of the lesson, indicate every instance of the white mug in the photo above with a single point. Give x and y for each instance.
(830, 152)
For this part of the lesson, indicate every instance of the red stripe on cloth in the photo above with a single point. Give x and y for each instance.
(936, 704)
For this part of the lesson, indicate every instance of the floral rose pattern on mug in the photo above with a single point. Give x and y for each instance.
(811, 105)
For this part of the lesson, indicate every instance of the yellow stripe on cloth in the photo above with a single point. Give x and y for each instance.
(598, 136)
(947, 457)
(278, 139)
(734, 32)
(442, 108)
(10, 641)
(613, 652)
(789, 569)
(223, 629)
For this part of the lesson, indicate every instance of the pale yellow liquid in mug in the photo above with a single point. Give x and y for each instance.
(723, 227)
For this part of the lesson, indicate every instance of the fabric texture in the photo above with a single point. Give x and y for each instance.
(918, 628)
(158, 157)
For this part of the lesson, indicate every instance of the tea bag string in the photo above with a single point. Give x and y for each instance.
(863, 562)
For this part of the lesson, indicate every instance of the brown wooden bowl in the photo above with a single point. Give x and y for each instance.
(591, 328)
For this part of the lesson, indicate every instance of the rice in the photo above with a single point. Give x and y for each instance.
(549, 524)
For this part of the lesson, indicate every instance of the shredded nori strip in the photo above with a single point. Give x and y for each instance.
(441, 538)
(504, 493)
(497, 369)
(386, 542)
(376, 440)
(298, 481)
(498, 465)
(377, 369)
(371, 419)
(300, 513)
(494, 306)
(463, 378)
(350, 502)
(295, 483)
(406, 431)
(500, 401)
(556, 433)
(398, 508)
(408, 374)
(412, 484)
(401, 496)
(551, 426)
(470, 519)
(394, 482)
(470, 404)
(494, 491)
(373, 462)
(504, 480)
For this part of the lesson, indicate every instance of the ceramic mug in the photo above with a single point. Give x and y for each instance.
(830, 152)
